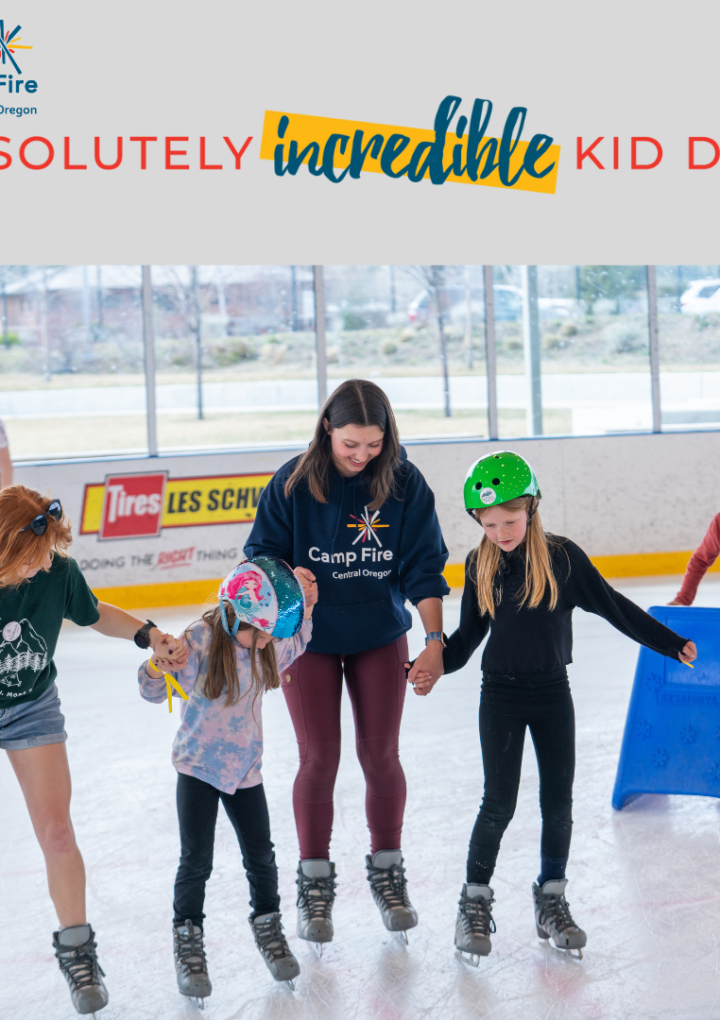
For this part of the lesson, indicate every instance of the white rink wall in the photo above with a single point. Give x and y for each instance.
(614, 495)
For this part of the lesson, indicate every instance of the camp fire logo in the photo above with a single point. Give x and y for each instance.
(21, 648)
(366, 525)
(10, 44)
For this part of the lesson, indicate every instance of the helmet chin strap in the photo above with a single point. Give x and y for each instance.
(225, 624)
(534, 504)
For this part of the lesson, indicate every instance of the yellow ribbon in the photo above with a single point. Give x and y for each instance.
(170, 682)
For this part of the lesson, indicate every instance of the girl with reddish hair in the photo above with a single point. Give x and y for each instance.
(40, 586)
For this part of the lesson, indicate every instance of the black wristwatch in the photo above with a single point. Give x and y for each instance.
(142, 638)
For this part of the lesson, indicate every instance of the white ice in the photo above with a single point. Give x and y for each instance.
(643, 883)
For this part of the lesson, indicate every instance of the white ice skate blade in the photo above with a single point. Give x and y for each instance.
(291, 985)
(576, 954)
(200, 1003)
(403, 937)
(318, 947)
(472, 958)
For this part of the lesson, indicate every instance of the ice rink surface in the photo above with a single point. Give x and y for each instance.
(644, 883)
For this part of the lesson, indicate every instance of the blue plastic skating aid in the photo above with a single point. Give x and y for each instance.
(672, 733)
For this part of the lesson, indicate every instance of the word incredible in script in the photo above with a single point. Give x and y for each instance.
(456, 150)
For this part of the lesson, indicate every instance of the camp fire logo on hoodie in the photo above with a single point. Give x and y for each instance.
(21, 648)
(367, 525)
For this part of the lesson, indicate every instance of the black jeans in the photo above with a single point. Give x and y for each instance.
(507, 706)
(197, 805)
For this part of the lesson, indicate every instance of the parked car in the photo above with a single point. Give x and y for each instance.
(557, 308)
(701, 297)
(508, 304)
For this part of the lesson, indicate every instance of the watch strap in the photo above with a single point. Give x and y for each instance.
(435, 635)
(142, 636)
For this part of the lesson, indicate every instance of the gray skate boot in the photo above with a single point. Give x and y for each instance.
(270, 940)
(76, 952)
(386, 875)
(474, 923)
(316, 895)
(190, 962)
(553, 918)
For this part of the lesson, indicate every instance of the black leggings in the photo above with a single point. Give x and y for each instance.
(197, 805)
(507, 706)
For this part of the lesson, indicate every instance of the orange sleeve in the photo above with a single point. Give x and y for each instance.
(700, 562)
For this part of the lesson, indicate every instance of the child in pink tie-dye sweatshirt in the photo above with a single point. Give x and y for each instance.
(237, 650)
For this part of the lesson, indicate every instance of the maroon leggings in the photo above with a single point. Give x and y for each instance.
(376, 684)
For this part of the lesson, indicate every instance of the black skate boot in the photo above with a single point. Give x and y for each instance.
(76, 952)
(553, 919)
(190, 962)
(386, 875)
(474, 923)
(270, 939)
(316, 895)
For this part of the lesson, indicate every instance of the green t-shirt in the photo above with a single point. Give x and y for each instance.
(31, 616)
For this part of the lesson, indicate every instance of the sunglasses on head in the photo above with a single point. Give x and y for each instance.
(39, 524)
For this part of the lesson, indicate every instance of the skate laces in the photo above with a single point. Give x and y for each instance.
(390, 884)
(79, 964)
(476, 915)
(315, 896)
(555, 909)
(270, 938)
(190, 948)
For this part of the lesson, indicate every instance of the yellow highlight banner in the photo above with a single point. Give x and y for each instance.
(326, 145)
(222, 499)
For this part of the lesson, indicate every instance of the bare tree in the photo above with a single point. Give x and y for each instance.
(185, 297)
(434, 280)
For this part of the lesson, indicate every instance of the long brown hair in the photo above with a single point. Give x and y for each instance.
(21, 550)
(355, 402)
(222, 664)
(539, 575)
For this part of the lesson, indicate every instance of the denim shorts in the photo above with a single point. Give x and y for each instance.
(32, 723)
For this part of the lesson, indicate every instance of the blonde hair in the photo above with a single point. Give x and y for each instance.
(222, 663)
(20, 550)
(539, 575)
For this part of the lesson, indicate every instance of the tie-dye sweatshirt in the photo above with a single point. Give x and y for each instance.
(218, 743)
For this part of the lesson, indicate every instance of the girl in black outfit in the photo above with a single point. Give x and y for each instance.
(523, 584)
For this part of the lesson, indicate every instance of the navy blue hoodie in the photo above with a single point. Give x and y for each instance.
(367, 563)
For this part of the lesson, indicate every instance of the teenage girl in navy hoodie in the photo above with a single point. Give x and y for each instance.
(361, 521)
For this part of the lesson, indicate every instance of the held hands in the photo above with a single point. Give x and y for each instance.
(427, 669)
(688, 653)
(169, 653)
(307, 580)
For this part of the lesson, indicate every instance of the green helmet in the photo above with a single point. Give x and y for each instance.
(498, 478)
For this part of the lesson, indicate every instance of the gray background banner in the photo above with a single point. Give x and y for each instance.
(181, 69)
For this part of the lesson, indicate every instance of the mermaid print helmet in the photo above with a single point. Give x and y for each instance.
(498, 478)
(265, 593)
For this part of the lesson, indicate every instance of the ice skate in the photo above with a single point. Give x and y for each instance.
(76, 952)
(316, 895)
(474, 923)
(553, 918)
(270, 940)
(386, 875)
(190, 962)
